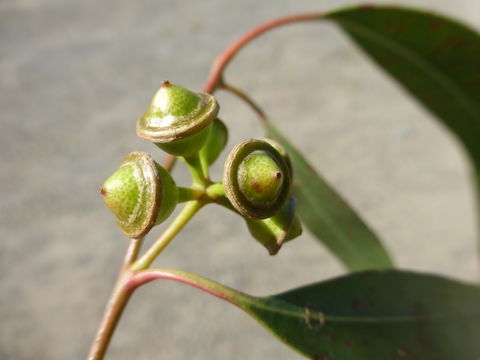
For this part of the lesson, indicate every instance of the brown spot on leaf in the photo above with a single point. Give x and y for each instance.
(321, 357)
(401, 353)
(365, 6)
(356, 304)
(434, 24)
(349, 343)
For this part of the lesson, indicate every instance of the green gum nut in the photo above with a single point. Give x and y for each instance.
(216, 141)
(256, 179)
(140, 194)
(278, 229)
(178, 119)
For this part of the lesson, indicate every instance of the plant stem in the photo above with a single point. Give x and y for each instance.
(199, 176)
(132, 252)
(214, 79)
(215, 191)
(243, 96)
(188, 194)
(116, 304)
(224, 292)
(189, 210)
(169, 162)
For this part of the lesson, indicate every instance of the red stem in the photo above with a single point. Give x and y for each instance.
(145, 276)
(214, 79)
(118, 300)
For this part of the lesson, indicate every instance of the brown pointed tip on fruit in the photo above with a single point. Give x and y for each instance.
(140, 194)
(282, 152)
(256, 179)
(178, 119)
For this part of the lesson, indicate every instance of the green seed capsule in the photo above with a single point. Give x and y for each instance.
(278, 229)
(177, 120)
(256, 179)
(140, 194)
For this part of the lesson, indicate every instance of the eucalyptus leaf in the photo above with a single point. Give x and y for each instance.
(377, 315)
(330, 218)
(389, 314)
(437, 60)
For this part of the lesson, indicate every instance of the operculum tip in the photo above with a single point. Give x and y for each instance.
(102, 191)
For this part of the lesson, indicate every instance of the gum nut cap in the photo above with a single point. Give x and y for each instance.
(176, 113)
(132, 194)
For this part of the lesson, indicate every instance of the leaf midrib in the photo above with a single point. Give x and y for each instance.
(294, 311)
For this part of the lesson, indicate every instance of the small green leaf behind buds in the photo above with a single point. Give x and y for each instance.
(178, 119)
(278, 229)
(140, 194)
(216, 141)
(256, 179)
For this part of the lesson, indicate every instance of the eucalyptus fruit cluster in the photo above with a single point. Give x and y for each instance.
(256, 181)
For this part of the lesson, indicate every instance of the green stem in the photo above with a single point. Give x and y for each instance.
(216, 194)
(190, 209)
(249, 101)
(215, 191)
(188, 194)
(199, 175)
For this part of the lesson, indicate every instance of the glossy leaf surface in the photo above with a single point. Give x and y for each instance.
(388, 314)
(377, 315)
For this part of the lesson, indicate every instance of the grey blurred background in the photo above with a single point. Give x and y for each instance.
(75, 76)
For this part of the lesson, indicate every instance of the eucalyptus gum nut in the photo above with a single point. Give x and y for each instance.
(257, 179)
(216, 141)
(177, 119)
(273, 232)
(139, 194)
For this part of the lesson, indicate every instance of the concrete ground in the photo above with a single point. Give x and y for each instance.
(75, 76)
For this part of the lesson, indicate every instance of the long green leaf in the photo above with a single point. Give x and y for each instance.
(330, 218)
(377, 315)
(437, 60)
(368, 315)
